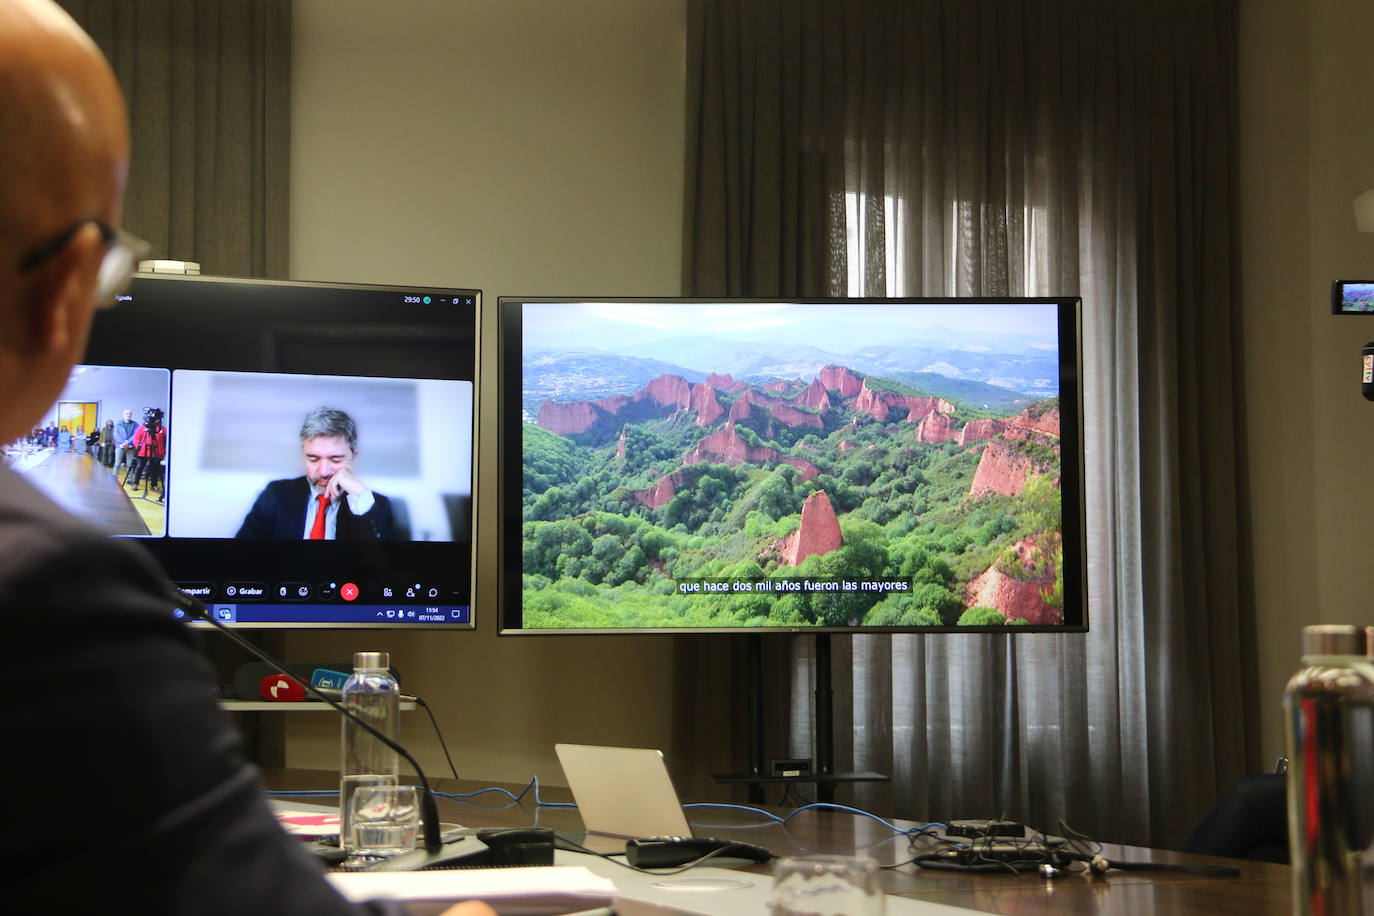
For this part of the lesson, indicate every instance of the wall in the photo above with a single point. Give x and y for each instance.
(534, 147)
(521, 147)
(1307, 148)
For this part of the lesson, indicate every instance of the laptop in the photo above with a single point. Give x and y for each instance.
(622, 792)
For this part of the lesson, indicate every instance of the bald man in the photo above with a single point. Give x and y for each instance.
(124, 789)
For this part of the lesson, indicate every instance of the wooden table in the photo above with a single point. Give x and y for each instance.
(1262, 889)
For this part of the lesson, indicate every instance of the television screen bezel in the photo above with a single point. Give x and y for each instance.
(509, 435)
(474, 595)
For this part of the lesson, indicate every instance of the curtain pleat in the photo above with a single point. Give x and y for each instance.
(209, 90)
(985, 147)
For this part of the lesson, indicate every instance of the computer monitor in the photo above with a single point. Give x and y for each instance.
(251, 396)
(677, 465)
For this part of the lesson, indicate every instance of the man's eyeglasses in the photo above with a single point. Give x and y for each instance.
(122, 255)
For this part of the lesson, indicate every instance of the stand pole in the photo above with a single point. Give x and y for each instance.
(825, 720)
(753, 738)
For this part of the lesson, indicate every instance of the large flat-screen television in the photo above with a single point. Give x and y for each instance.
(674, 465)
(294, 454)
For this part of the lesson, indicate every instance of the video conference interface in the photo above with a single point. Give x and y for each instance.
(293, 454)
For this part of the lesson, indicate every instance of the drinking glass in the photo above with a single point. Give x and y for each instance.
(827, 886)
(385, 820)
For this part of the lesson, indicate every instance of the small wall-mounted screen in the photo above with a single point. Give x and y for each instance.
(294, 454)
(1352, 297)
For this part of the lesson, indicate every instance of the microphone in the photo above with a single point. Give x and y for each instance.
(429, 809)
(281, 688)
(1367, 371)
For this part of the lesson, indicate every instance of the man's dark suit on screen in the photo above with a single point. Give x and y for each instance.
(279, 514)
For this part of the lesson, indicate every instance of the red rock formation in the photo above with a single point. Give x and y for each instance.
(661, 493)
(1045, 422)
(666, 391)
(845, 445)
(777, 387)
(808, 470)
(724, 382)
(620, 446)
(1016, 598)
(568, 419)
(838, 378)
(819, 532)
(727, 447)
(978, 430)
(613, 404)
(1000, 470)
(815, 396)
(792, 416)
(871, 402)
(702, 399)
(936, 427)
(740, 409)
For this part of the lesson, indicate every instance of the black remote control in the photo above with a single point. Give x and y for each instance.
(669, 851)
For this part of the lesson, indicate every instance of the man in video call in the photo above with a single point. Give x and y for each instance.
(152, 807)
(124, 441)
(329, 502)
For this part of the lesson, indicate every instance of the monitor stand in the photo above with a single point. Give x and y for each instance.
(823, 767)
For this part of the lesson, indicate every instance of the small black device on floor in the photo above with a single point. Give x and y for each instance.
(670, 851)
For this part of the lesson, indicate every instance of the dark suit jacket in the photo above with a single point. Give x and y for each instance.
(155, 803)
(279, 514)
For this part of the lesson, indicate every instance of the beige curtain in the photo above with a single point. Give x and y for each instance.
(209, 89)
(993, 147)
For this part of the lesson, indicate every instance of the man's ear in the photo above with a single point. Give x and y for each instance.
(62, 292)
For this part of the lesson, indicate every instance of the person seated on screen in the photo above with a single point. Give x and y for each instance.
(157, 811)
(329, 502)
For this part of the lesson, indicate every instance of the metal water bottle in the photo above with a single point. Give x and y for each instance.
(372, 694)
(1329, 725)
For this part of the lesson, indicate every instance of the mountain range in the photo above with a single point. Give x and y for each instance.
(994, 380)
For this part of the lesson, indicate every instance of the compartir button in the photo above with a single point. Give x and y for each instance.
(201, 590)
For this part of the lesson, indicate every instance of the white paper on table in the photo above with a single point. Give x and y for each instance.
(574, 884)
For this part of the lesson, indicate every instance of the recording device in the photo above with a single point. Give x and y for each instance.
(1367, 371)
(670, 851)
(792, 767)
(152, 417)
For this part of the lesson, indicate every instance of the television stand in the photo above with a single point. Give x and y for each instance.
(823, 774)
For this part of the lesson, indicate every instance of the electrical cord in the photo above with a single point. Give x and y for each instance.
(419, 701)
(532, 784)
(828, 806)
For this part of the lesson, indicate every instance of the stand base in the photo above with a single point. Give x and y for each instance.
(825, 784)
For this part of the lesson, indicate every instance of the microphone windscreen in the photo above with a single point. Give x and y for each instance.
(281, 689)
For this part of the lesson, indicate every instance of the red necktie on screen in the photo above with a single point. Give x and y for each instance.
(317, 530)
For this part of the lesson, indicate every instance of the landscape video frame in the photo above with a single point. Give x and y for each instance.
(829, 465)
